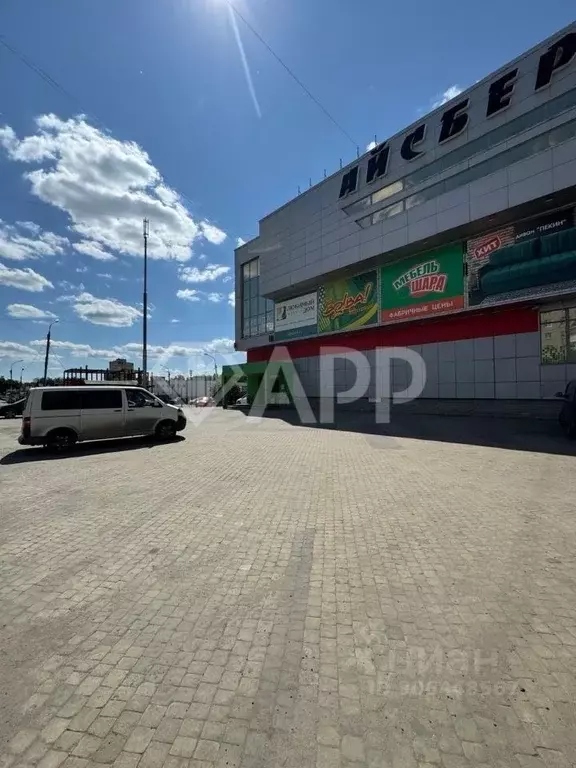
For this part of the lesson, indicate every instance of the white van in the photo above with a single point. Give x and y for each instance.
(58, 417)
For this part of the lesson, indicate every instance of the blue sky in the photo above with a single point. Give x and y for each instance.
(175, 129)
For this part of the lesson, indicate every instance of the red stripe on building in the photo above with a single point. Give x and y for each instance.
(469, 325)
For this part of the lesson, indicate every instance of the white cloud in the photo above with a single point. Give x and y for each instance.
(449, 93)
(220, 346)
(133, 349)
(106, 186)
(212, 233)
(17, 244)
(188, 294)
(109, 312)
(11, 349)
(81, 270)
(31, 226)
(195, 275)
(240, 242)
(105, 275)
(90, 248)
(25, 279)
(215, 297)
(29, 312)
(174, 320)
(68, 286)
(232, 299)
(76, 350)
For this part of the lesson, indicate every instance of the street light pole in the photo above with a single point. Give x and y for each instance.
(145, 232)
(215, 366)
(21, 372)
(15, 362)
(215, 372)
(47, 351)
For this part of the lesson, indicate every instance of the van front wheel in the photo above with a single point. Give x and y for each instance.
(166, 430)
(60, 440)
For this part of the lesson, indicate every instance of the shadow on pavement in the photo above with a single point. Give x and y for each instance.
(86, 449)
(519, 434)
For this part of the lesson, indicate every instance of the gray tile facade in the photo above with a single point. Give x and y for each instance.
(470, 374)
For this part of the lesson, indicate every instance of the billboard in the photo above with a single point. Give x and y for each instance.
(479, 252)
(348, 304)
(534, 258)
(296, 317)
(423, 286)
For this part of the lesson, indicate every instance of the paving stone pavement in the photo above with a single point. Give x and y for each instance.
(270, 595)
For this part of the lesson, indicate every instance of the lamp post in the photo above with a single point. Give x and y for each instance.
(47, 351)
(15, 362)
(145, 233)
(215, 372)
(214, 361)
(21, 372)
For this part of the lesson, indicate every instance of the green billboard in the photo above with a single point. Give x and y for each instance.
(423, 286)
(347, 304)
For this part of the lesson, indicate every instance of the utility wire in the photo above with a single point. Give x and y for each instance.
(35, 68)
(41, 72)
(296, 79)
(38, 70)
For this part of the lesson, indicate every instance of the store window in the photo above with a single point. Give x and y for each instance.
(553, 138)
(558, 336)
(544, 113)
(257, 312)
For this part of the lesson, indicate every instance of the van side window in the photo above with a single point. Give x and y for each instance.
(61, 400)
(138, 398)
(104, 398)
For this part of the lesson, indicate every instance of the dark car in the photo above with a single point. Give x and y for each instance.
(12, 410)
(567, 416)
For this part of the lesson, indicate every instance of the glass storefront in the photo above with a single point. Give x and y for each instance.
(257, 312)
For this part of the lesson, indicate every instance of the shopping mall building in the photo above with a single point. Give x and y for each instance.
(456, 237)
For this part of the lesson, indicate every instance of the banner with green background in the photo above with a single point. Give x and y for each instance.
(347, 304)
(423, 286)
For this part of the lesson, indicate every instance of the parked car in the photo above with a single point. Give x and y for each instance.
(58, 417)
(567, 415)
(12, 410)
(242, 400)
(202, 402)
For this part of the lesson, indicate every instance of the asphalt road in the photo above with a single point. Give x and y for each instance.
(265, 594)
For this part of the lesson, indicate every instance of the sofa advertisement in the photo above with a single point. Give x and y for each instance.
(531, 259)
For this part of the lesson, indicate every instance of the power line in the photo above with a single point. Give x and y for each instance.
(36, 68)
(53, 83)
(292, 74)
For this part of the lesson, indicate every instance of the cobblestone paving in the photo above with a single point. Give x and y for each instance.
(270, 595)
